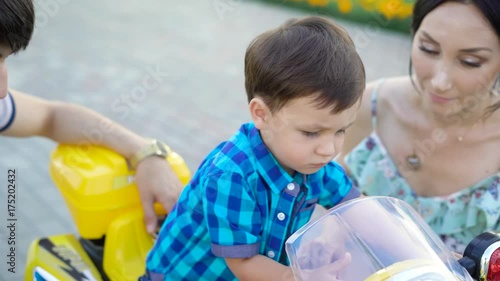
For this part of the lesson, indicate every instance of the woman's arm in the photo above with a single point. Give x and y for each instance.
(74, 124)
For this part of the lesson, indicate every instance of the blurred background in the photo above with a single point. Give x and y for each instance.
(98, 53)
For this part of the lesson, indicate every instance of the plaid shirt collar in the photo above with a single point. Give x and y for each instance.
(268, 167)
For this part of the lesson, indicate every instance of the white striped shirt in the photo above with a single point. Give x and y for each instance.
(7, 112)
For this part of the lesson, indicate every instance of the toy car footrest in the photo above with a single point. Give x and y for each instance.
(59, 257)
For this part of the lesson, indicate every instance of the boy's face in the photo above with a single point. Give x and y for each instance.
(4, 53)
(302, 137)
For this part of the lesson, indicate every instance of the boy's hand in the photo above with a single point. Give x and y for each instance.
(323, 255)
(323, 261)
(156, 182)
(331, 271)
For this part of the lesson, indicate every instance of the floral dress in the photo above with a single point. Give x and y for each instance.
(457, 217)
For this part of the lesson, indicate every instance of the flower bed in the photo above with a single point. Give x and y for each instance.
(391, 14)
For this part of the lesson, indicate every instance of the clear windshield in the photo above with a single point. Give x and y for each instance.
(371, 239)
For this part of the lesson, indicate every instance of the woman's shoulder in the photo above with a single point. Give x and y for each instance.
(393, 90)
(396, 98)
(383, 90)
(380, 98)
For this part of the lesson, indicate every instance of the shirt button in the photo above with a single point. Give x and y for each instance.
(281, 216)
(270, 254)
(290, 186)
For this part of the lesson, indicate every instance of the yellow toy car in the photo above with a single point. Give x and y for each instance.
(97, 186)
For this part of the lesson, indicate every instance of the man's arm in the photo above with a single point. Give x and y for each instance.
(259, 268)
(69, 123)
(73, 124)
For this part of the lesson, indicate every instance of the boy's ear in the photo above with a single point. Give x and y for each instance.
(259, 112)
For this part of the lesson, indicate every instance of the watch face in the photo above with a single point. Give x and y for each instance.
(161, 148)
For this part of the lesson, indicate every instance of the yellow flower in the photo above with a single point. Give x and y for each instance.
(395, 8)
(319, 3)
(368, 5)
(407, 11)
(390, 8)
(345, 6)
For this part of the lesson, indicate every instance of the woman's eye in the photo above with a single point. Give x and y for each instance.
(471, 63)
(310, 134)
(340, 133)
(428, 50)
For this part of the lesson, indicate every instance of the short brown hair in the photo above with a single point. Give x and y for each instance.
(303, 57)
(17, 21)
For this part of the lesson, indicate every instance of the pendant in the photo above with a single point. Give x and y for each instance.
(413, 161)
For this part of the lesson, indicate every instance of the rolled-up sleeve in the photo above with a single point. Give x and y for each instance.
(233, 217)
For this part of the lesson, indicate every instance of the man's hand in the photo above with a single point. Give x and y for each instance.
(156, 182)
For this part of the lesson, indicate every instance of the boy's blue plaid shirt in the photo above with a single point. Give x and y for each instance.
(240, 203)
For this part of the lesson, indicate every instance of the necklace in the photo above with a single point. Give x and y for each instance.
(413, 161)
(461, 137)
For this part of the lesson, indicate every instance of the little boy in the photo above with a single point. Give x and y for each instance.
(304, 81)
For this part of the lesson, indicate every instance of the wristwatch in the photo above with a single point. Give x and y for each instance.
(154, 148)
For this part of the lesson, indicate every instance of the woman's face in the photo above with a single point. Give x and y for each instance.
(456, 58)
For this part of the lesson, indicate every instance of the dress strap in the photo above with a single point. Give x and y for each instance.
(374, 103)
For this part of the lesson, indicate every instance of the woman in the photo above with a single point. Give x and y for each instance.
(433, 138)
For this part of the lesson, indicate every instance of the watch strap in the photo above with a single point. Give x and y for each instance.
(154, 148)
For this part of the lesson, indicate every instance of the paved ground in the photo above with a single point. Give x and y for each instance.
(97, 53)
